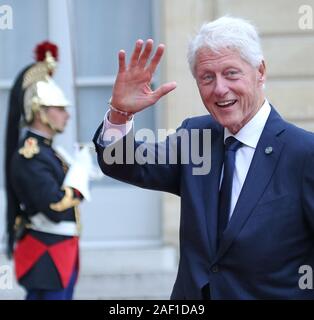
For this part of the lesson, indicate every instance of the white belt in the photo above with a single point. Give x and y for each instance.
(39, 222)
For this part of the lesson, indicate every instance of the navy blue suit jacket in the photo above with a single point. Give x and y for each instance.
(271, 232)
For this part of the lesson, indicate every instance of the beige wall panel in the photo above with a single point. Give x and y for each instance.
(293, 99)
(307, 125)
(181, 20)
(270, 16)
(289, 56)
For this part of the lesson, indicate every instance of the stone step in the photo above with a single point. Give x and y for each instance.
(137, 286)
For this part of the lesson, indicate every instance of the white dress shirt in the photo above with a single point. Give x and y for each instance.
(249, 136)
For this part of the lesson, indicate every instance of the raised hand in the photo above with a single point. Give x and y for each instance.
(132, 92)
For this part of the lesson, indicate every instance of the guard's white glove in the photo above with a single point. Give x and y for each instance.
(94, 174)
(79, 173)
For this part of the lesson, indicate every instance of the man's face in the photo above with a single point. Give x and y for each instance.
(231, 89)
(57, 117)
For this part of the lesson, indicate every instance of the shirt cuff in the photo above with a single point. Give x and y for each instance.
(111, 133)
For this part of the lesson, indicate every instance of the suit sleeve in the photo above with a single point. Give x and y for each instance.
(153, 166)
(308, 189)
(39, 189)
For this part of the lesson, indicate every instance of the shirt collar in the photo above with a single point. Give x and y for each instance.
(251, 132)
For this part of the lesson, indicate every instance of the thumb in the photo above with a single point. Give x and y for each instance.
(164, 89)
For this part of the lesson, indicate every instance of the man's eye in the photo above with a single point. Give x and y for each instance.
(208, 77)
(232, 73)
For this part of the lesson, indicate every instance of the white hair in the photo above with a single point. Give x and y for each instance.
(227, 33)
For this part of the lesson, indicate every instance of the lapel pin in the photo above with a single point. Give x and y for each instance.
(269, 150)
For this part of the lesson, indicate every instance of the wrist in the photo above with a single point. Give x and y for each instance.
(117, 116)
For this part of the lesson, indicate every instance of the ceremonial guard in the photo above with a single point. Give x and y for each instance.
(43, 192)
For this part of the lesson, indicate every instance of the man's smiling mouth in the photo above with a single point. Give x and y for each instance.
(226, 103)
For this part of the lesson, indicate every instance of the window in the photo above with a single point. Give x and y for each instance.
(100, 29)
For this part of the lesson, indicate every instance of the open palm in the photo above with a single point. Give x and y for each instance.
(132, 91)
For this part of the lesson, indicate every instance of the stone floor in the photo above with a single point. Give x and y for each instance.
(112, 274)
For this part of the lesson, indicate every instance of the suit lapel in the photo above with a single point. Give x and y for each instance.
(260, 172)
(211, 187)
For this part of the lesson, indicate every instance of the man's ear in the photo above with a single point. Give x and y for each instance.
(262, 72)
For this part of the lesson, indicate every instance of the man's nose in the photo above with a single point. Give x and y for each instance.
(221, 87)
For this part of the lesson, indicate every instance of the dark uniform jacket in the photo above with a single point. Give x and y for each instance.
(43, 260)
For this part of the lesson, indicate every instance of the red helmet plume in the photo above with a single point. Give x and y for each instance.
(42, 48)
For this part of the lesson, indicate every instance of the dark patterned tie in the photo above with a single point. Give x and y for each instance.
(231, 147)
